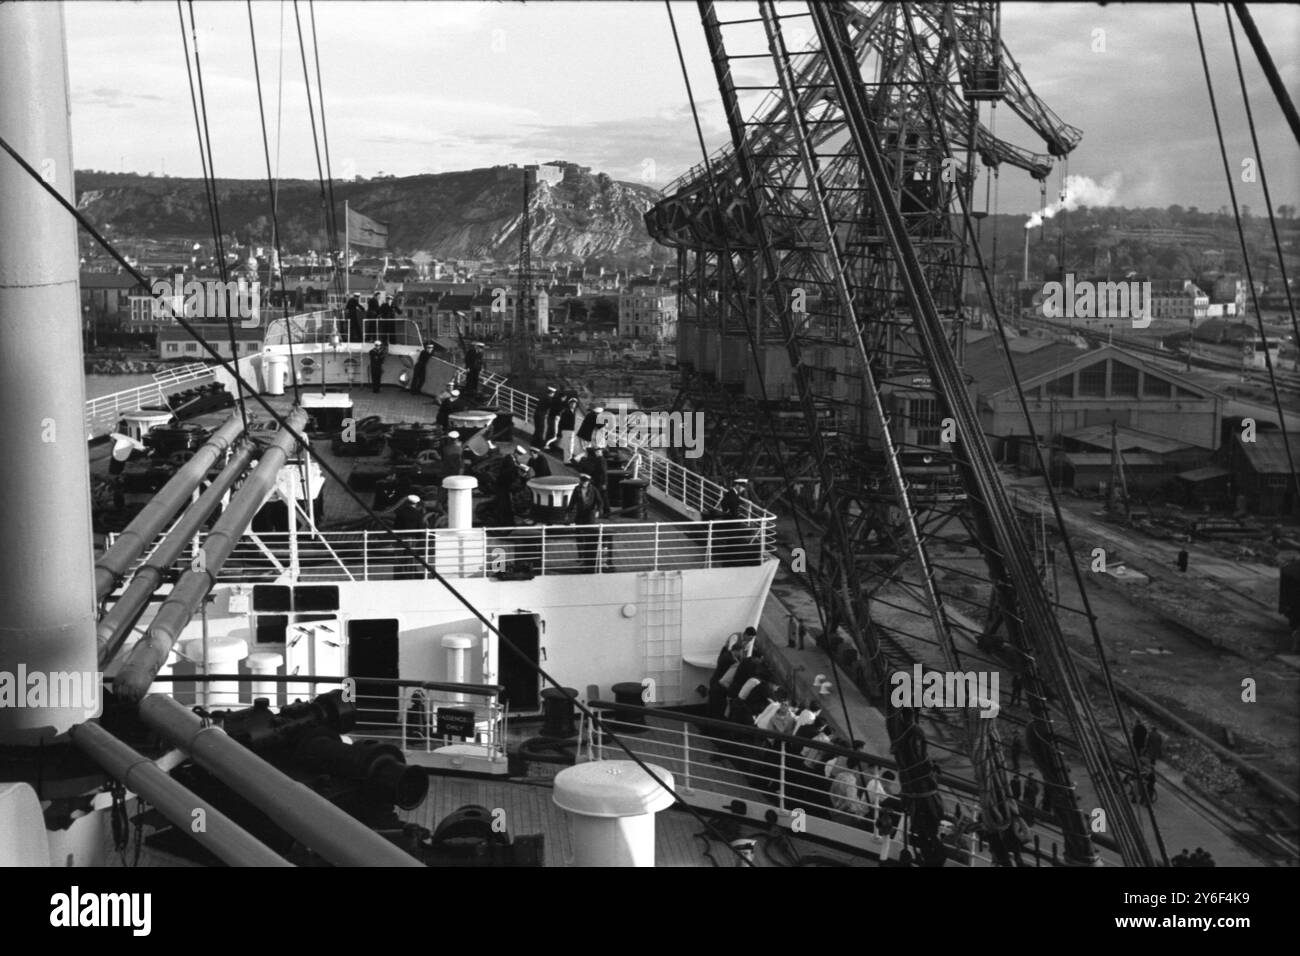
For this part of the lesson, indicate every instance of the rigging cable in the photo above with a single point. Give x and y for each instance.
(402, 545)
(1100, 780)
(273, 195)
(1270, 69)
(325, 136)
(714, 197)
(1263, 180)
(209, 181)
(326, 215)
(1245, 253)
(222, 266)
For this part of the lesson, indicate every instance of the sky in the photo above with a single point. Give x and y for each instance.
(424, 87)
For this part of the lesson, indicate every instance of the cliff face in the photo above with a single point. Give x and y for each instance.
(472, 214)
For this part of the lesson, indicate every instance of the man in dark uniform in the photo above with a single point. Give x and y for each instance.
(584, 509)
(453, 454)
(590, 422)
(448, 405)
(473, 366)
(421, 368)
(377, 356)
(593, 463)
(732, 541)
(409, 517)
(509, 476)
(372, 313)
(537, 463)
(540, 416)
(388, 312)
(352, 312)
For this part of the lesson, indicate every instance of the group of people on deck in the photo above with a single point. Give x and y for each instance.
(560, 423)
(844, 789)
(381, 306)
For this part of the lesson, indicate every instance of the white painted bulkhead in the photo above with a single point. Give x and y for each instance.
(594, 628)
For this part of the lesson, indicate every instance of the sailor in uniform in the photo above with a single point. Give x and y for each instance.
(377, 355)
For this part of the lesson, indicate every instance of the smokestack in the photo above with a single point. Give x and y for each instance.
(47, 573)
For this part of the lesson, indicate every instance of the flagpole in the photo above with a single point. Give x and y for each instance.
(347, 245)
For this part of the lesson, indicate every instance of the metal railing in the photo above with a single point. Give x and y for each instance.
(615, 547)
(683, 485)
(103, 413)
(416, 716)
(778, 778)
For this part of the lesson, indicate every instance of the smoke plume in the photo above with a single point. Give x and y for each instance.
(1079, 191)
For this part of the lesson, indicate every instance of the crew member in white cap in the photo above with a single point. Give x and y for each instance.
(473, 366)
(409, 515)
(535, 460)
(540, 416)
(568, 429)
(449, 404)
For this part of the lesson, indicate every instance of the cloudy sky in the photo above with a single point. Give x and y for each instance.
(438, 86)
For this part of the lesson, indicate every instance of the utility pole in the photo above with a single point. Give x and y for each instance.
(521, 340)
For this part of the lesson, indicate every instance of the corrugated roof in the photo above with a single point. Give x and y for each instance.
(1129, 438)
(1088, 460)
(1208, 473)
(986, 362)
(1267, 453)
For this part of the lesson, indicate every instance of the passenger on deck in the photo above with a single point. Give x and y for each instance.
(377, 355)
(541, 414)
(1029, 802)
(724, 673)
(372, 307)
(421, 368)
(453, 455)
(848, 799)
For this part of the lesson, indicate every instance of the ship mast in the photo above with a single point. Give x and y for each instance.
(47, 562)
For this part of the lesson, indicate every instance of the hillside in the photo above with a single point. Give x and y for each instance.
(472, 214)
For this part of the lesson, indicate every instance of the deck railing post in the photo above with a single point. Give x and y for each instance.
(708, 548)
(655, 566)
(686, 754)
(365, 555)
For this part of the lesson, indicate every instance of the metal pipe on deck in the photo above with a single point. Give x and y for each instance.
(305, 815)
(115, 626)
(150, 653)
(229, 841)
(47, 562)
(139, 534)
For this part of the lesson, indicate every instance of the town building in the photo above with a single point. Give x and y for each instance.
(648, 312)
(175, 342)
(1260, 471)
(1179, 300)
(1071, 391)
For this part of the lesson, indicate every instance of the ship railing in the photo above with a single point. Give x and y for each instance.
(677, 482)
(103, 413)
(304, 328)
(416, 716)
(774, 778)
(607, 548)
